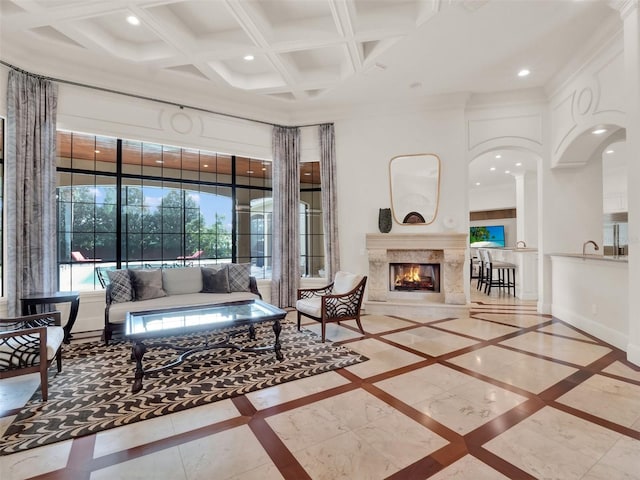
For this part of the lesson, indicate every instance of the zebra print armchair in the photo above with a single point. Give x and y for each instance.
(25, 341)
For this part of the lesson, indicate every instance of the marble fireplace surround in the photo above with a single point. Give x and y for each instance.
(447, 249)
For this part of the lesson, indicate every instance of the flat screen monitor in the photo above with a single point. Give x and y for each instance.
(487, 236)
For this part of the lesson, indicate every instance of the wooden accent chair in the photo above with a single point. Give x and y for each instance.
(339, 301)
(25, 341)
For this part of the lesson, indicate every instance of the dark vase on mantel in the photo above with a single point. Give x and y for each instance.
(384, 220)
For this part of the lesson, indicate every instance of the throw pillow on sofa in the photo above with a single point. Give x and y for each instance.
(177, 281)
(215, 281)
(147, 284)
(121, 287)
(239, 277)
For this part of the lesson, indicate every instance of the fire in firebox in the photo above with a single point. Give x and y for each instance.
(409, 277)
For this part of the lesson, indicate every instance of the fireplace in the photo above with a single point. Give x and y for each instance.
(438, 259)
(411, 277)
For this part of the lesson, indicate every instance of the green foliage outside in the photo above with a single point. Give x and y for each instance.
(175, 227)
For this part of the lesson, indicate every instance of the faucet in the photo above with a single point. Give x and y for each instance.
(584, 246)
(524, 244)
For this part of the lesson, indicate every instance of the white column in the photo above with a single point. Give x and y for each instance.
(527, 208)
(630, 13)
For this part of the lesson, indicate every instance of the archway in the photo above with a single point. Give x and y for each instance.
(504, 197)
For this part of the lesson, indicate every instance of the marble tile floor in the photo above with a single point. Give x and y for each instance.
(504, 393)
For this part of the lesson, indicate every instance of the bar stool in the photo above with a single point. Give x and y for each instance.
(474, 264)
(506, 274)
(480, 265)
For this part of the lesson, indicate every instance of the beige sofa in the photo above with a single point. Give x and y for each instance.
(155, 289)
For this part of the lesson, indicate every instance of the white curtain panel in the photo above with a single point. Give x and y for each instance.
(328, 177)
(30, 200)
(285, 277)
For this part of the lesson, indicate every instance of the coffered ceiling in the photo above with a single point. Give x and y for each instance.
(306, 53)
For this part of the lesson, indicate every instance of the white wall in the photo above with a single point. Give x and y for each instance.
(614, 178)
(364, 147)
(576, 213)
(96, 112)
(492, 198)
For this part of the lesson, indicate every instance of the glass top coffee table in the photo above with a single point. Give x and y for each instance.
(142, 328)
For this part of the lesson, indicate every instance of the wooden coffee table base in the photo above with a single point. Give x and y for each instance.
(139, 348)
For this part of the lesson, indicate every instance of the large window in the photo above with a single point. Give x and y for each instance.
(124, 203)
(130, 204)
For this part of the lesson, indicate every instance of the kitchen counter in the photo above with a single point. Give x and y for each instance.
(591, 293)
(592, 256)
(526, 261)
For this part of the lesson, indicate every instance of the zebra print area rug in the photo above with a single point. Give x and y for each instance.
(93, 391)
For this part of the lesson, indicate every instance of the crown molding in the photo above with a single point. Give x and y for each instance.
(610, 33)
(625, 7)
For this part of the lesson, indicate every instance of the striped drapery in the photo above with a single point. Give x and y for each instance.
(30, 199)
(285, 277)
(329, 199)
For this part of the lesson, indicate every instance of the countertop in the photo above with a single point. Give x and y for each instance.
(592, 256)
(508, 249)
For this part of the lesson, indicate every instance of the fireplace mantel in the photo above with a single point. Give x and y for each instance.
(448, 249)
(417, 241)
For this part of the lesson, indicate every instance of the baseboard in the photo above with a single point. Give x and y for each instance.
(633, 354)
(604, 333)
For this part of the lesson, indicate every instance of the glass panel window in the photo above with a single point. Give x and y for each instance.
(254, 218)
(86, 211)
(311, 225)
(124, 203)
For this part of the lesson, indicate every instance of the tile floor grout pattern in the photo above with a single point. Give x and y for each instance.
(503, 393)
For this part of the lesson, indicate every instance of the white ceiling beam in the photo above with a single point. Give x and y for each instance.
(343, 12)
(254, 24)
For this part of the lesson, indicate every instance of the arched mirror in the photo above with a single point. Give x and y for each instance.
(415, 188)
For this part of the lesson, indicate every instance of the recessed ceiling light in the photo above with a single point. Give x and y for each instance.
(493, 169)
(205, 165)
(96, 151)
(519, 164)
(524, 72)
(610, 151)
(133, 20)
(507, 171)
(264, 168)
(477, 184)
(159, 161)
(599, 131)
(248, 58)
(307, 173)
(249, 172)
(498, 156)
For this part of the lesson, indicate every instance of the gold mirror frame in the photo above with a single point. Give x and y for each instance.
(415, 188)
